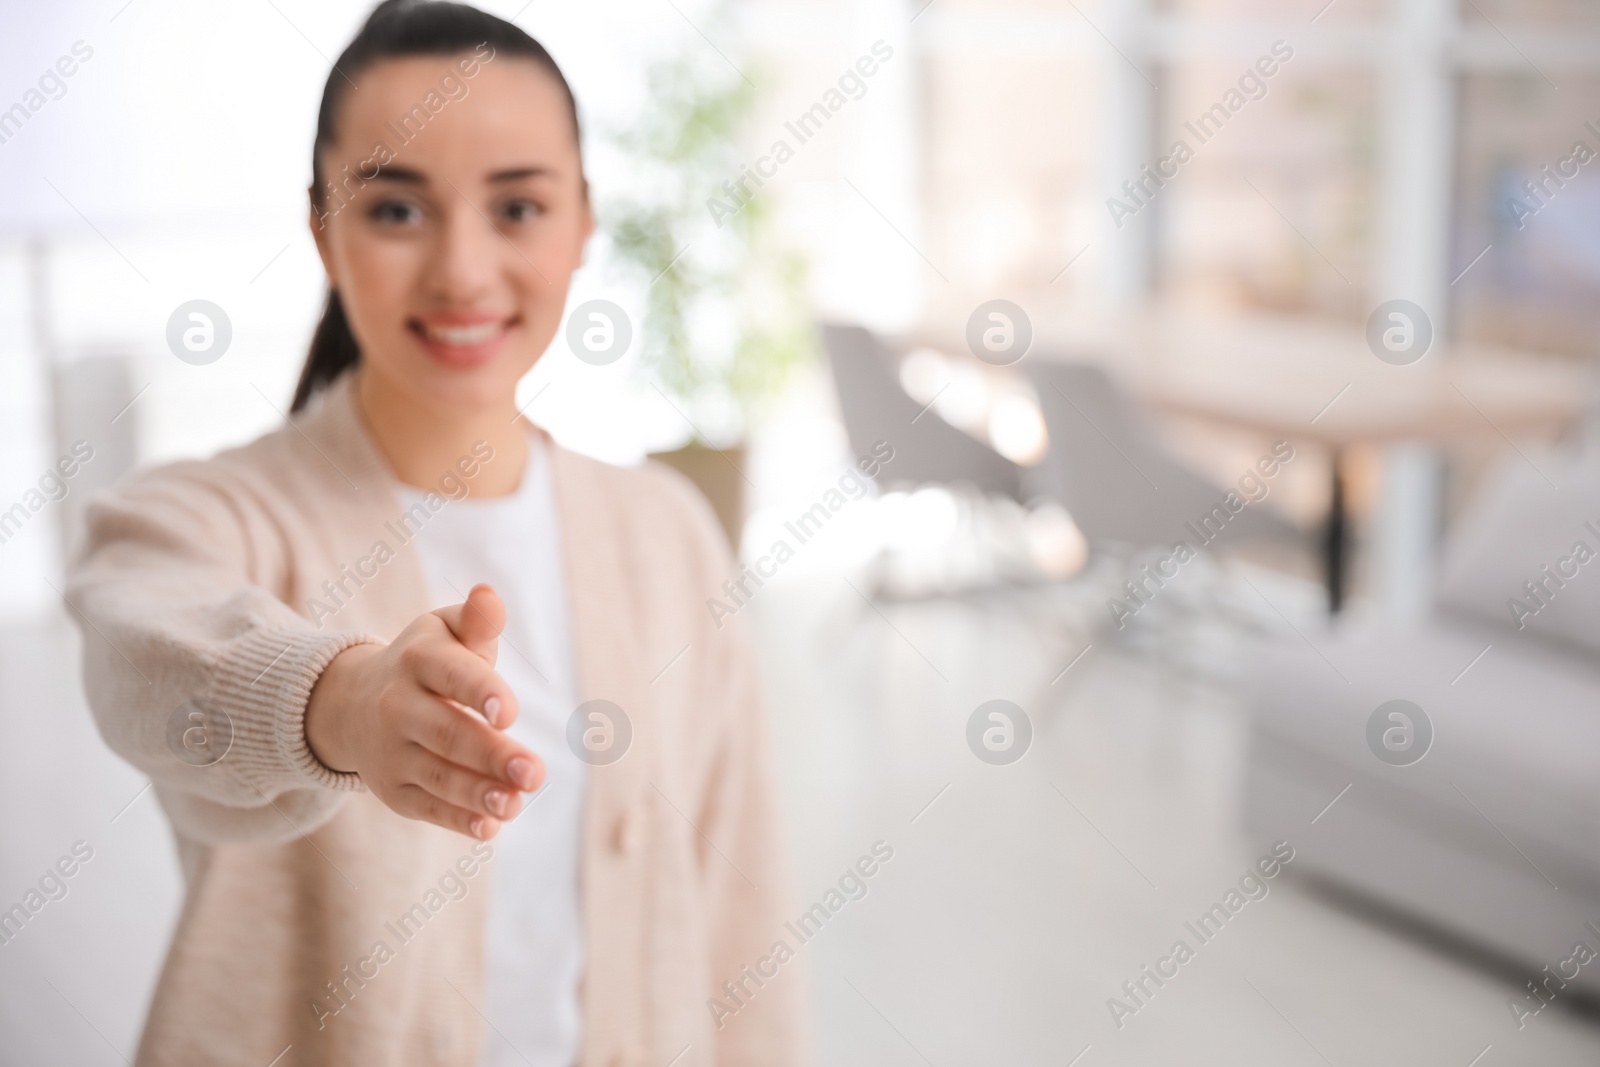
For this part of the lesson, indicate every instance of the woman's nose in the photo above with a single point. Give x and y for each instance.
(467, 258)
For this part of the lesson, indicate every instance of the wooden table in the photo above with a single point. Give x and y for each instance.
(1321, 384)
(1317, 382)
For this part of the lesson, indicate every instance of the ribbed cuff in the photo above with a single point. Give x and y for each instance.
(264, 686)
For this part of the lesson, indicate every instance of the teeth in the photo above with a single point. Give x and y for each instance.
(464, 335)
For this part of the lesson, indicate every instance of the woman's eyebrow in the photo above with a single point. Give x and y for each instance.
(399, 174)
(409, 176)
(518, 173)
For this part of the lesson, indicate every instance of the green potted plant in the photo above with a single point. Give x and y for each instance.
(725, 317)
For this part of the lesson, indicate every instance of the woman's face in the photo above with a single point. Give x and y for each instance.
(455, 230)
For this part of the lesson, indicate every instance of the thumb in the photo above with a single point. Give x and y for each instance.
(477, 622)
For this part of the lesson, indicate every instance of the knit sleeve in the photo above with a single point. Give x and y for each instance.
(195, 671)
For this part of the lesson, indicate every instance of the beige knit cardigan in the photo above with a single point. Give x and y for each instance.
(319, 926)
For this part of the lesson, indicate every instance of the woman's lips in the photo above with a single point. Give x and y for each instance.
(463, 344)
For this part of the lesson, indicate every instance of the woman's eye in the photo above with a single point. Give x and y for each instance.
(396, 212)
(520, 211)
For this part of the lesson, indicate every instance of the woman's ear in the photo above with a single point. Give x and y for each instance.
(318, 220)
(585, 225)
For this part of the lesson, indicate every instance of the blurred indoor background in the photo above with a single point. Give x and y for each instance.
(1170, 317)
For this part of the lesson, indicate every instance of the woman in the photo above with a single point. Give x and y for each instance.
(345, 769)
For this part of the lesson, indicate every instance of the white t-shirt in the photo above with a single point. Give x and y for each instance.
(535, 941)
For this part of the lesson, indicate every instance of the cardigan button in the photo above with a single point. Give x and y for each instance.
(628, 834)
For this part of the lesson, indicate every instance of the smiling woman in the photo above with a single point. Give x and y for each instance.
(363, 747)
(464, 262)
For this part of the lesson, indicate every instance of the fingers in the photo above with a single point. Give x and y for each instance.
(478, 621)
(467, 741)
(459, 787)
(456, 674)
(415, 802)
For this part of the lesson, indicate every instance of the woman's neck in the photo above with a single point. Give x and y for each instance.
(422, 443)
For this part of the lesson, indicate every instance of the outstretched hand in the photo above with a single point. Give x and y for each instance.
(402, 716)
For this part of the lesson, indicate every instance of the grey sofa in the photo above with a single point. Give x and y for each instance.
(1494, 835)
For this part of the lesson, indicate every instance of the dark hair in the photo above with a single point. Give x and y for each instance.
(398, 29)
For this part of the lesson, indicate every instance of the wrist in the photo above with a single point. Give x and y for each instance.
(334, 702)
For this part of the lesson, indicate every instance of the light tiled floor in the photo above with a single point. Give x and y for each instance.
(1018, 899)
(1024, 897)
(75, 982)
